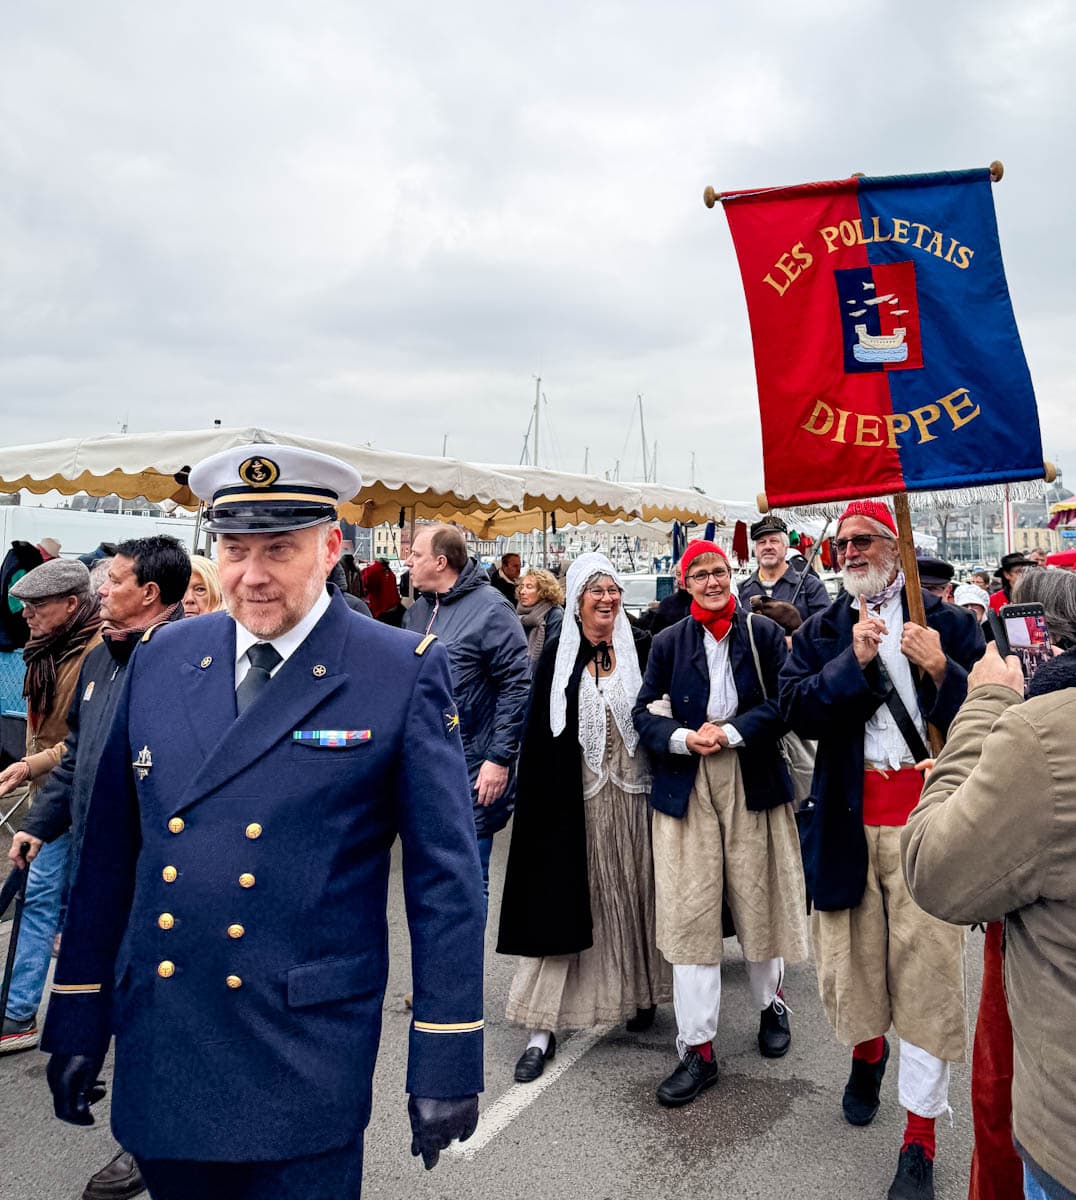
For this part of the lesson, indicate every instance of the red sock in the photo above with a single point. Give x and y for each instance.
(869, 1051)
(921, 1130)
(706, 1051)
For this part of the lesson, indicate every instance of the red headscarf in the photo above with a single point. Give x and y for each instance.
(720, 622)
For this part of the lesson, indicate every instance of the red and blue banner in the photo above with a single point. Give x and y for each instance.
(886, 349)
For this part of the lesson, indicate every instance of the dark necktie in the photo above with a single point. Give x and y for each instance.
(263, 658)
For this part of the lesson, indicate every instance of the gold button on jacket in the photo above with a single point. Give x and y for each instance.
(246, 880)
(253, 830)
(166, 920)
(233, 981)
(176, 825)
(166, 969)
(169, 874)
(236, 931)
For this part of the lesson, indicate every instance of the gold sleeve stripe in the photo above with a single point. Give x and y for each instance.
(458, 1027)
(76, 987)
(425, 644)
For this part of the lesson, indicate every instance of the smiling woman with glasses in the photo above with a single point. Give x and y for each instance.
(723, 825)
(578, 901)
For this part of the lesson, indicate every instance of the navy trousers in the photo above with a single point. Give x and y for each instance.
(335, 1175)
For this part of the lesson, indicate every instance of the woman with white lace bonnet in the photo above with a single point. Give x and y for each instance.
(578, 902)
(723, 830)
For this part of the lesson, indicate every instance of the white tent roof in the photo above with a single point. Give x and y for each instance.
(155, 465)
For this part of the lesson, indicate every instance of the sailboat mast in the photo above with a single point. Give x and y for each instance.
(642, 434)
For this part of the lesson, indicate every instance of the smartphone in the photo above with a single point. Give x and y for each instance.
(1025, 635)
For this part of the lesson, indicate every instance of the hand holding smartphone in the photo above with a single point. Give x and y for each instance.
(1020, 629)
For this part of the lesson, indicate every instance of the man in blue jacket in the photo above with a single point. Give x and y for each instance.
(490, 669)
(228, 918)
(864, 680)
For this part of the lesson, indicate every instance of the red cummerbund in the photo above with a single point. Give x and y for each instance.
(890, 796)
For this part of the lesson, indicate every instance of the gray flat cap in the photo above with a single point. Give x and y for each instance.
(57, 577)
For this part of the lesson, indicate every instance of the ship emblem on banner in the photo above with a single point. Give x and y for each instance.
(886, 349)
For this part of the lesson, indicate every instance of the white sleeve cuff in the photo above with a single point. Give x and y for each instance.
(678, 742)
(734, 736)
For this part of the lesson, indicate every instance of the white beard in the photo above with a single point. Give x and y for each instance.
(873, 581)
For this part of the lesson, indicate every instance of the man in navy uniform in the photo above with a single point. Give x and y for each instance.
(228, 919)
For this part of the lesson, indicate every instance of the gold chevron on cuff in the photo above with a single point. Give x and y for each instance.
(75, 988)
(457, 1027)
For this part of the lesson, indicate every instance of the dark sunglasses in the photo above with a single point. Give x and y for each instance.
(862, 541)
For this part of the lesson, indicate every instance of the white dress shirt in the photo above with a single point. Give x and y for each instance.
(724, 699)
(883, 743)
(285, 645)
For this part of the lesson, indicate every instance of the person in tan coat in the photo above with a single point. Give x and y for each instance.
(994, 838)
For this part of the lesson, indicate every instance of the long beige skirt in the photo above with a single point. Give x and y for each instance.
(721, 849)
(623, 970)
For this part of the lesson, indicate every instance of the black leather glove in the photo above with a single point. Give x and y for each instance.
(74, 1085)
(434, 1123)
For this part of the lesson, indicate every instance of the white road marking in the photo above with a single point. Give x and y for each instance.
(520, 1096)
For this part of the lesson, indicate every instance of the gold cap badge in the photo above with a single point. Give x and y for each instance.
(259, 472)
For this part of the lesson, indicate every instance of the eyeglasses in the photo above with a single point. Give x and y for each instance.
(862, 541)
(601, 593)
(702, 576)
(34, 605)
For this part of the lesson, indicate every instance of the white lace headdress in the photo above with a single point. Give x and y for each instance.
(583, 570)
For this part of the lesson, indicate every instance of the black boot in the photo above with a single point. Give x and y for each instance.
(774, 1032)
(861, 1093)
(643, 1019)
(914, 1179)
(693, 1074)
(532, 1061)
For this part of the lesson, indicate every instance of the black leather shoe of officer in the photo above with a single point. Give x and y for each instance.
(643, 1019)
(117, 1181)
(774, 1032)
(532, 1061)
(692, 1076)
(914, 1179)
(862, 1092)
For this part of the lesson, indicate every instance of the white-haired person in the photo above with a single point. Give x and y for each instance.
(724, 831)
(578, 904)
(865, 680)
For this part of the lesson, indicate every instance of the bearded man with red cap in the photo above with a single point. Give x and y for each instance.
(865, 681)
(723, 828)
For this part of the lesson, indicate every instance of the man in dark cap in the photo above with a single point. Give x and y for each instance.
(261, 764)
(775, 578)
(936, 577)
(1009, 571)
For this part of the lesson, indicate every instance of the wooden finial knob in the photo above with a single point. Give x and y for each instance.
(709, 197)
(1049, 472)
(761, 503)
(997, 169)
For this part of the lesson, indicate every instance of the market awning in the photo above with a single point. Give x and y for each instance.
(155, 465)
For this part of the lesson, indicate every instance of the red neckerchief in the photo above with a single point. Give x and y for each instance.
(717, 623)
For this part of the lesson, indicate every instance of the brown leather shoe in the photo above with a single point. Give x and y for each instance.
(117, 1181)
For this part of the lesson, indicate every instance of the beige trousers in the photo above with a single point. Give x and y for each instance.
(887, 962)
(719, 848)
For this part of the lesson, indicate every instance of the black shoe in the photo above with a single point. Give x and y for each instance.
(774, 1033)
(861, 1093)
(643, 1019)
(692, 1075)
(18, 1035)
(532, 1061)
(118, 1181)
(914, 1179)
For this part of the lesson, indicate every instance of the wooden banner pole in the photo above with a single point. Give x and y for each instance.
(913, 589)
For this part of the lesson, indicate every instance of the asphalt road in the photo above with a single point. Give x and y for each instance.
(768, 1129)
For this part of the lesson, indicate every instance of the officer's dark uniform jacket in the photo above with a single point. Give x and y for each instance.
(825, 694)
(812, 597)
(228, 919)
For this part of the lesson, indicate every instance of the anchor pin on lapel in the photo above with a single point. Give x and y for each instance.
(143, 763)
(206, 662)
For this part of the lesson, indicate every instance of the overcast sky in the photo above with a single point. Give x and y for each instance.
(379, 222)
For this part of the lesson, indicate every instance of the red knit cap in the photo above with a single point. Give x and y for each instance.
(694, 549)
(875, 509)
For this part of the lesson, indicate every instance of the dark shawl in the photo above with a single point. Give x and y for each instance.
(545, 909)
